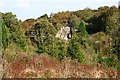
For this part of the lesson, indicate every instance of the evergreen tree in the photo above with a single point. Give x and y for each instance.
(4, 34)
(74, 51)
(58, 49)
(73, 24)
(82, 28)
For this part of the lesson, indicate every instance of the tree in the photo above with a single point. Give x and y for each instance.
(58, 49)
(111, 19)
(85, 14)
(16, 34)
(4, 34)
(41, 35)
(82, 28)
(74, 51)
(45, 16)
(73, 24)
(105, 20)
(27, 24)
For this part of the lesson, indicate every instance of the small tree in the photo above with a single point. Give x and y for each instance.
(4, 34)
(82, 28)
(73, 24)
(58, 49)
(74, 51)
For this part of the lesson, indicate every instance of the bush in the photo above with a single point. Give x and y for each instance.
(74, 51)
(111, 62)
(99, 59)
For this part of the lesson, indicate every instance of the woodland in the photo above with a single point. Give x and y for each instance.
(94, 43)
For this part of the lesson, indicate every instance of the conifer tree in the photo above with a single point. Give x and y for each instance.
(82, 28)
(74, 51)
(4, 34)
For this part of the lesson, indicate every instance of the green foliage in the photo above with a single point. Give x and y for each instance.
(16, 34)
(107, 61)
(111, 62)
(116, 41)
(58, 50)
(45, 16)
(99, 59)
(11, 21)
(85, 14)
(105, 20)
(42, 31)
(62, 50)
(73, 24)
(75, 52)
(41, 35)
(82, 28)
(4, 34)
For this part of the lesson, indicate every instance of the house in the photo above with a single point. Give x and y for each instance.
(64, 33)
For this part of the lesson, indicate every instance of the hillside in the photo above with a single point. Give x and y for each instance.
(76, 44)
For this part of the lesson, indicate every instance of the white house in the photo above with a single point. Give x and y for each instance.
(64, 33)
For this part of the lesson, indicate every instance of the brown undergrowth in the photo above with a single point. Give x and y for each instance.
(45, 66)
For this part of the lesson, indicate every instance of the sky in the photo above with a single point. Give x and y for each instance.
(25, 9)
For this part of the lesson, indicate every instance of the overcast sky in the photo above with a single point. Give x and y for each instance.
(34, 8)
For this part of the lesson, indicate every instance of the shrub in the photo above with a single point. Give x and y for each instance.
(111, 62)
(74, 51)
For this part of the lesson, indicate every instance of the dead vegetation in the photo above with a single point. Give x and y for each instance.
(44, 66)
